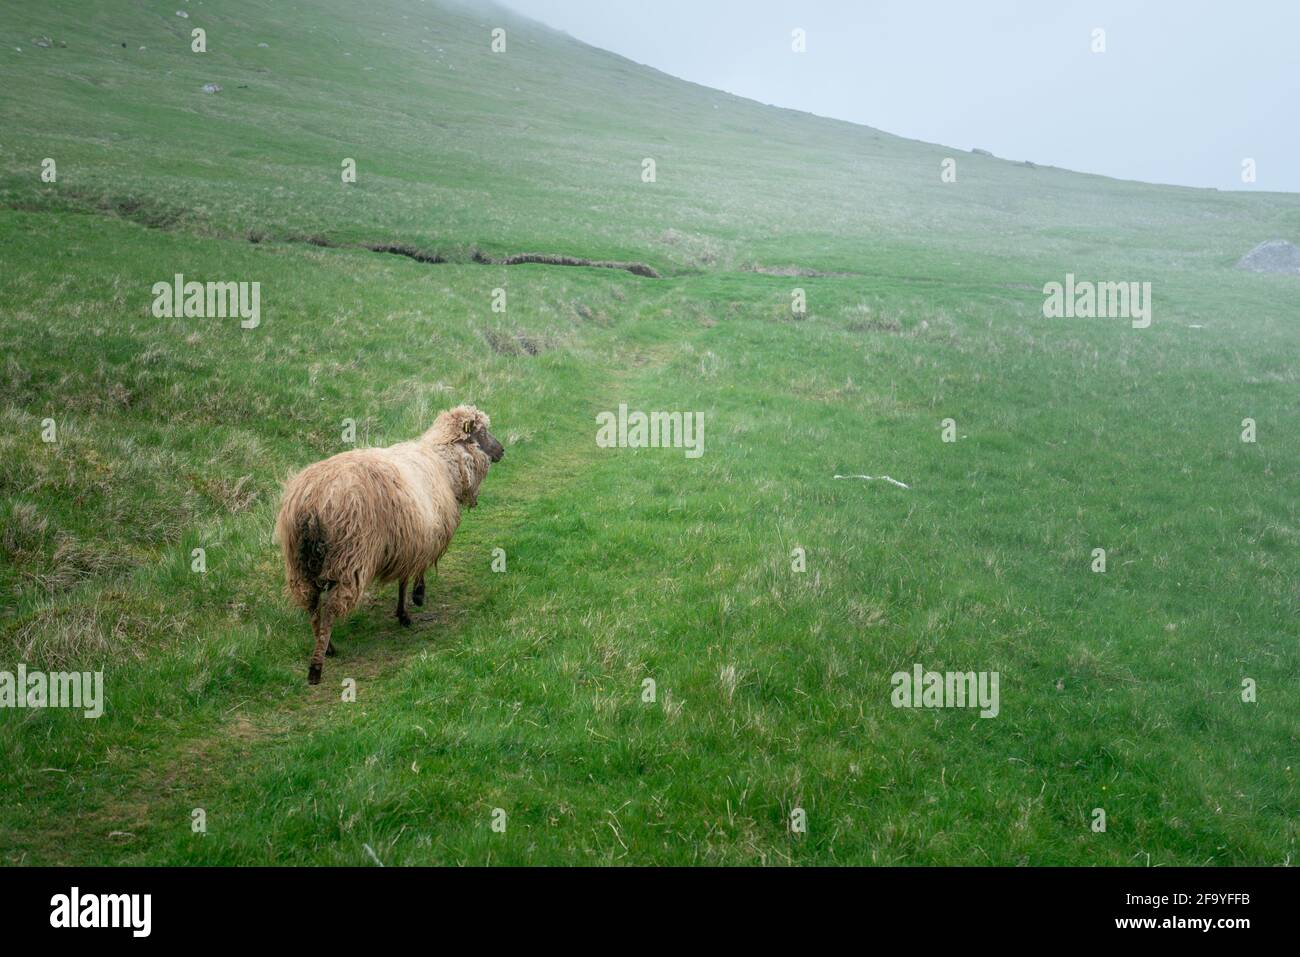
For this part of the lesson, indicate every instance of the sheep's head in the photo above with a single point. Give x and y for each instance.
(466, 428)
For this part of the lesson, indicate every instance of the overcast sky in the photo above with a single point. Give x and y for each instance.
(1184, 92)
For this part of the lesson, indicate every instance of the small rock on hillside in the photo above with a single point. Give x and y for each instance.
(1276, 255)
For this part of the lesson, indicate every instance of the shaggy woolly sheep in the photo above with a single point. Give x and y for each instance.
(379, 515)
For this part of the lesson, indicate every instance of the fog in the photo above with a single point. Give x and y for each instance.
(1183, 93)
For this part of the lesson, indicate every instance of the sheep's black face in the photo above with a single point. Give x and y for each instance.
(488, 443)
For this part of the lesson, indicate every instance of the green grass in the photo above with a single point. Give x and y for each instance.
(523, 690)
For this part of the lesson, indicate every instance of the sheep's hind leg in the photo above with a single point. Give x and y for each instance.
(402, 616)
(322, 624)
(314, 610)
(417, 594)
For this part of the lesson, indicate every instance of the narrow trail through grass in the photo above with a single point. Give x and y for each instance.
(193, 770)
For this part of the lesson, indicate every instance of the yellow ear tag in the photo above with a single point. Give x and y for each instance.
(469, 427)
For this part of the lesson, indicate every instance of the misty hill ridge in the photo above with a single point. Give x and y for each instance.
(460, 148)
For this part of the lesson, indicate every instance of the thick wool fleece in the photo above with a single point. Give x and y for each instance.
(376, 515)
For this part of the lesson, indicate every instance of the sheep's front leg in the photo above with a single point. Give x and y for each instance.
(417, 594)
(402, 616)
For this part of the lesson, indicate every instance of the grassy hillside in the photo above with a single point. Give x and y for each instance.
(522, 690)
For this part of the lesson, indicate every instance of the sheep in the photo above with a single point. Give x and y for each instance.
(383, 514)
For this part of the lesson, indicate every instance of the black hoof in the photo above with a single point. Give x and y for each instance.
(404, 620)
(329, 652)
(417, 596)
(313, 675)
